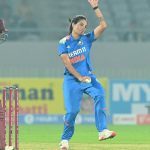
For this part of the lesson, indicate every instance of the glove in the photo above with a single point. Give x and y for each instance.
(3, 30)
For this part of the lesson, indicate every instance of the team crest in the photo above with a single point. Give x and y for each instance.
(80, 43)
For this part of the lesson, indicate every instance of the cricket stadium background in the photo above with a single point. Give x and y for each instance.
(122, 74)
(120, 58)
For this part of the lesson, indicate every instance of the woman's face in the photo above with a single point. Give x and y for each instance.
(80, 27)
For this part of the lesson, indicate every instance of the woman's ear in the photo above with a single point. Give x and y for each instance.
(73, 25)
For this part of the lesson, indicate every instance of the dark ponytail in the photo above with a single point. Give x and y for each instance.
(75, 20)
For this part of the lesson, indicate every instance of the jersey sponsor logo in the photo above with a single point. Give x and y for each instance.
(77, 55)
(77, 59)
(77, 52)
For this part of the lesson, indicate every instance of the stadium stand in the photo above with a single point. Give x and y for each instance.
(128, 20)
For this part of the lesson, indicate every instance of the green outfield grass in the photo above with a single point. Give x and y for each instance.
(47, 137)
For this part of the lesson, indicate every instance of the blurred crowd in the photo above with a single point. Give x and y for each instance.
(22, 24)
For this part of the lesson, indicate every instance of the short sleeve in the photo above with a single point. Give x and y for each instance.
(90, 36)
(62, 47)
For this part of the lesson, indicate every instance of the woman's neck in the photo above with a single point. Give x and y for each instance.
(75, 35)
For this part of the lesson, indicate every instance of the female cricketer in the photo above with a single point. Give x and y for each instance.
(74, 50)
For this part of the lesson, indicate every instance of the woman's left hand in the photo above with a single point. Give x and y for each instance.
(93, 3)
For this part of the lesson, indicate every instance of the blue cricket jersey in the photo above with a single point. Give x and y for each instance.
(78, 51)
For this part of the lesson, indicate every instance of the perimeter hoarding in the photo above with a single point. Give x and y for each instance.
(37, 95)
(42, 95)
(129, 96)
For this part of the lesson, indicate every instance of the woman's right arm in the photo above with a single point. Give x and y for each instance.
(71, 69)
(102, 23)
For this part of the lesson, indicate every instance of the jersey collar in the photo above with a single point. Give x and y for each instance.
(73, 39)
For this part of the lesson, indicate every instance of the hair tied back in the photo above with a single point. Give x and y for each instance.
(70, 20)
